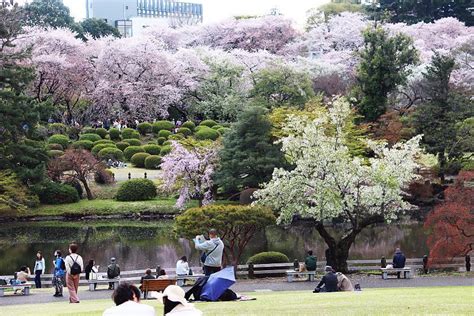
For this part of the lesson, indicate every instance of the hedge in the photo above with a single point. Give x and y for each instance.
(208, 123)
(162, 125)
(165, 150)
(132, 150)
(144, 128)
(55, 147)
(62, 140)
(102, 132)
(207, 133)
(114, 134)
(95, 150)
(90, 136)
(164, 133)
(185, 131)
(268, 257)
(83, 144)
(111, 153)
(190, 125)
(138, 160)
(55, 153)
(122, 145)
(152, 149)
(136, 190)
(161, 140)
(103, 141)
(56, 193)
(153, 162)
(133, 142)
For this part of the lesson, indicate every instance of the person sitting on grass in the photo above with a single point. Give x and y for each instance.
(127, 300)
(328, 283)
(343, 282)
(175, 303)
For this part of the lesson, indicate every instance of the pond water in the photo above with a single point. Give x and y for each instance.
(142, 244)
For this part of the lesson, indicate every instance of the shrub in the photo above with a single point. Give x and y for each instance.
(161, 140)
(111, 153)
(216, 127)
(152, 149)
(152, 162)
(132, 150)
(165, 150)
(77, 186)
(83, 144)
(162, 125)
(114, 134)
(144, 128)
(138, 160)
(57, 128)
(95, 150)
(88, 130)
(122, 145)
(185, 131)
(55, 193)
(73, 132)
(268, 257)
(55, 147)
(136, 190)
(55, 153)
(223, 130)
(167, 143)
(62, 140)
(103, 141)
(176, 137)
(164, 133)
(207, 133)
(104, 176)
(128, 133)
(190, 125)
(133, 142)
(198, 128)
(208, 123)
(89, 136)
(102, 132)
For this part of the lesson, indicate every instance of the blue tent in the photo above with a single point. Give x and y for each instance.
(216, 285)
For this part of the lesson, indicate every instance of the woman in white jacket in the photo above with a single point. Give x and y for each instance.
(39, 269)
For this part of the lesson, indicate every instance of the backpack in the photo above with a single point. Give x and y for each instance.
(75, 267)
(113, 271)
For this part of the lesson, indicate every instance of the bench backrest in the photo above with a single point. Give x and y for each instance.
(157, 285)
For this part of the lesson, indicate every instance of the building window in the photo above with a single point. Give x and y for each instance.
(124, 27)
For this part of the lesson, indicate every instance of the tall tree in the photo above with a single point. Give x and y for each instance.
(97, 28)
(49, 13)
(384, 65)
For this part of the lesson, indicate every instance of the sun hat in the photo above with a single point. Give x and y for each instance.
(174, 293)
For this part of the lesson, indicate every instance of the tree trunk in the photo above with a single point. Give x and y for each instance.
(90, 196)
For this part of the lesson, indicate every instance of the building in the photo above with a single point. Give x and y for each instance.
(130, 17)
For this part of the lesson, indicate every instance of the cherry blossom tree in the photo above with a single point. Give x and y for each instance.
(328, 182)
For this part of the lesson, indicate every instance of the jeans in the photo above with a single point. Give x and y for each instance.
(38, 278)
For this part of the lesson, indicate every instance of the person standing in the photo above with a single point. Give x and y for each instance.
(39, 269)
(213, 250)
(59, 273)
(113, 272)
(91, 271)
(399, 260)
(74, 267)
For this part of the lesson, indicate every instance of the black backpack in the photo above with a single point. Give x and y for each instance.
(75, 268)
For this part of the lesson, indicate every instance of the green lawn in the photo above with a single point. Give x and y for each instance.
(400, 301)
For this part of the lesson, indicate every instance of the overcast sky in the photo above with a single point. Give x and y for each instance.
(215, 10)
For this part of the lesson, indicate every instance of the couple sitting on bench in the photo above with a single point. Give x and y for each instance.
(333, 282)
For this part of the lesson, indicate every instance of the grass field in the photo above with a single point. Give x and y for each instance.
(400, 301)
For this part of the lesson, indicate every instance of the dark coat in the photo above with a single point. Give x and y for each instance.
(329, 281)
(399, 260)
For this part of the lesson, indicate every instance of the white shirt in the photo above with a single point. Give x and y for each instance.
(40, 265)
(185, 310)
(70, 260)
(130, 308)
(182, 267)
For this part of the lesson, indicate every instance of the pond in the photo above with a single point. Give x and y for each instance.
(142, 244)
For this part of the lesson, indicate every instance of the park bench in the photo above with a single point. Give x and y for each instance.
(407, 273)
(180, 279)
(290, 274)
(156, 285)
(94, 282)
(25, 288)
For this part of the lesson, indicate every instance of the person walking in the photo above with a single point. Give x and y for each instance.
(74, 267)
(59, 273)
(113, 272)
(213, 250)
(39, 269)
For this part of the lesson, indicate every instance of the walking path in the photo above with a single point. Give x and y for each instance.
(268, 284)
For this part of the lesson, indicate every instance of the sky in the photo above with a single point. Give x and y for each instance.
(215, 10)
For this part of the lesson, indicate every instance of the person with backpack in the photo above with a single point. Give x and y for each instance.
(113, 272)
(74, 267)
(59, 273)
(213, 250)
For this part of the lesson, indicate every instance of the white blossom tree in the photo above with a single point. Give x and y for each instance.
(327, 182)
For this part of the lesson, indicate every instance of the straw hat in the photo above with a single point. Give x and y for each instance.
(174, 293)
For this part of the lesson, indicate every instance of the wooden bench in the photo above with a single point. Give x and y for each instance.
(407, 273)
(93, 283)
(25, 288)
(290, 274)
(156, 285)
(180, 279)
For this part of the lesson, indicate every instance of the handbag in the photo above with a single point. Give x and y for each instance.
(204, 254)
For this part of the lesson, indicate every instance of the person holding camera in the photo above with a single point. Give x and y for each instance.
(212, 252)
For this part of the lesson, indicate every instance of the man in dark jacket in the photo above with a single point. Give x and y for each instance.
(328, 283)
(399, 260)
(113, 272)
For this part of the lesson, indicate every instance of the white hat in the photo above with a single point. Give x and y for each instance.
(173, 293)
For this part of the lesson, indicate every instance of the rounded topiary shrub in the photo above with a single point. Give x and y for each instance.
(190, 125)
(207, 133)
(90, 136)
(62, 140)
(268, 257)
(104, 176)
(133, 141)
(136, 190)
(216, 127)
(162, 125)
(223, 130)
(185, 131)
(161, 140)
(176, 137)
(88, 130)
(103, 141)
(167, 143)
(144, 128)
(95, 150)
(165, 150)
(56, 193)
(83, 144)
(114, 134)
(208, 123)
(111, 153)
(102, 132)
(152, 162)
(128, 133)
(55, 153)
(122, 145)
(138, 160)
(152, 149)
(164, 133)
(55, 147)
(57, 128)
(132, 150)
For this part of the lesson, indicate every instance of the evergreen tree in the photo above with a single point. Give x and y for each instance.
(97, 28)
(49, 13)
(249, 155)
